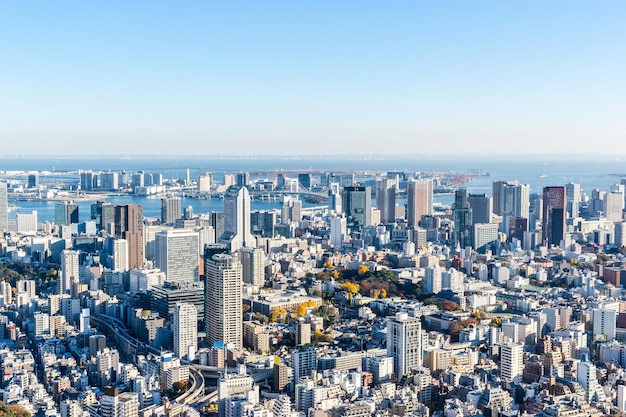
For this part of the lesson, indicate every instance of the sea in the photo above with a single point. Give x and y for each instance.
(591, 171)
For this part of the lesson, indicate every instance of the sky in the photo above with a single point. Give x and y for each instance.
(312, 77)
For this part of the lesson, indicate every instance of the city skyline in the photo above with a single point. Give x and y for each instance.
(323, 78)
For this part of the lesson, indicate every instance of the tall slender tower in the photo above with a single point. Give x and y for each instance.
(420, 200)
(356, 202)
(553, 226)
(4, 207)
(128, 221)
(223, 298)
(404, 343)
(69, 271)
(237, 228)
(253, 265)
(386, 200)
(170, 210)
(185, 330)
(462, 220)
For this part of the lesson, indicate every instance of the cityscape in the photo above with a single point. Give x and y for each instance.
(352, 294)
(355, 208)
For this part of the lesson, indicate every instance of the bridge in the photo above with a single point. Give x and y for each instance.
(269, 195)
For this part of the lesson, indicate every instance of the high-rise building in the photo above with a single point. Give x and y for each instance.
(177, 254)
(572, 191)
(205, 182)
(386, 199)
(109, 181)
(185, 326)
(510, 199)
(69, 272)
(305, 180)
(291, 211)
(66, 213)
(4, 207)
(242, 179)
(87, 181)
(128, 224)
(511, 361)
(338, 231)
(33, 180)
(419, 200)
(334, 197)
(604, 323)
(357, 206)
(253, 265)
(404, 343)
(237, 231)
(433, 280)
(462, 236)
(614, 206)
(482, 207)
(303, 362)
(26, 223)
(223, 299)
(485, 236)
(120, 255)
(553, 226)
(170, 210)
(263, 223)
(586, 377)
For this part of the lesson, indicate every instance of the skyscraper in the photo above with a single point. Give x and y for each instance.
(604, 323)
(120, 255)
(510, 199)
(170, 210)
(253, 265)
(404, 343)
(573, 199)
(511, 361)
(65, 214)
(177, 254)
(69, 271)
(553, 226)
(614, 206)
(237, 230)
(462, 236)
(357, 206)
(386, 199)
(482, 207)
(4, 207)
(185, 326)
(419, 200)
(223, 299)
(128, 220)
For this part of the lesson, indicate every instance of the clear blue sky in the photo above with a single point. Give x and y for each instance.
(321, 77)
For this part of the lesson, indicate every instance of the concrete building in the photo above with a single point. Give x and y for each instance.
(419, 200)
(170, 210)
(185, 326)
(177, 254)
(237, 226)
(223, 298)
(404, 343)
(253, 266)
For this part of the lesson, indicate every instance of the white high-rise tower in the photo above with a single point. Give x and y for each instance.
(404, 343)
(223, 298)
(4, 207)
(185, 330)
(69, 271)
(237, 228)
